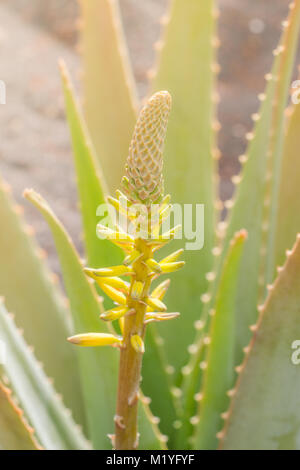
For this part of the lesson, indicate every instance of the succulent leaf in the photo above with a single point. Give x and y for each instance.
(163, 403)
(286, 51)
(98, 366)
(37, 302)
(186, 69)
(54, 426)
(91, 184)
(219, 374)
(150, 428)
(108, 86)
(247, 212)
(15, 433)
(288, 218)
(264, 412)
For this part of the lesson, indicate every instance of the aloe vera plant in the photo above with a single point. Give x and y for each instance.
(224, 373)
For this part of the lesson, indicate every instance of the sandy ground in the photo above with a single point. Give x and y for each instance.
(35, 145)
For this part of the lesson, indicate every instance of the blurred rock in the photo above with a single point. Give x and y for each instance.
(58, 16)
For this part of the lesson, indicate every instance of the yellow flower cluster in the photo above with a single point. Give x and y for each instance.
(134, 298)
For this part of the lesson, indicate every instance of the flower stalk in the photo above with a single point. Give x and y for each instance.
(126, 433)
(135, 304)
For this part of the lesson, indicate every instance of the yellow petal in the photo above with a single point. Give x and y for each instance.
(108, 272)
(171, 267)
(115, 282)
(166, 200)
(160, 291)
(95, 339)
(132, 257)
(157, 246)
(158, 316)
(157, 242)
(164, 213)
(137, 343)
(109, 234)
(117, 205)
(156, 304)
(114, 313)
(113, 293)
(172, 257)
(153, 265)
(126, 246)
(121, 196)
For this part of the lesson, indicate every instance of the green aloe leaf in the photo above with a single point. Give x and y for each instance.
(150, 435)
(248, 212)
(109, 89)
(276, 147)
(53, 423)
(98, 366)
(219, 372)
(91, 185)
(288, 220)
(30, 293)
(261, 171)
(264, 413)
(155, 371)
(15, 433)
(185, 69)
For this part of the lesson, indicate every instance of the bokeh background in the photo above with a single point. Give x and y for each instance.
(35, 145)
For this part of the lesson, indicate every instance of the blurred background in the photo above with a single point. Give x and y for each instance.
(35, 145)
